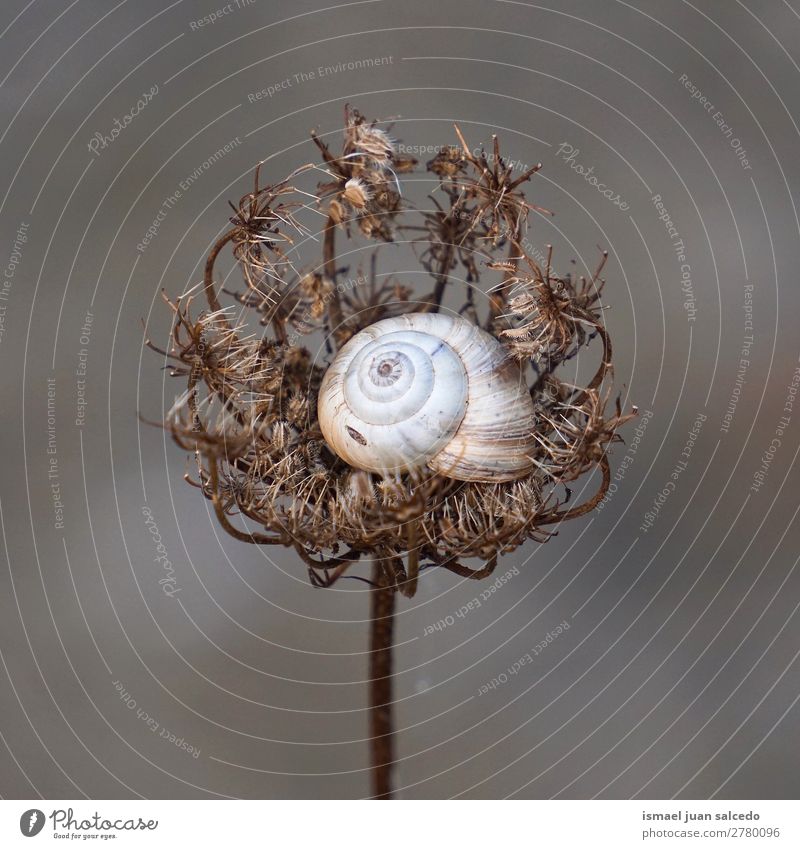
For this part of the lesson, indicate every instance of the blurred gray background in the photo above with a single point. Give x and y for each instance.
(678, 675)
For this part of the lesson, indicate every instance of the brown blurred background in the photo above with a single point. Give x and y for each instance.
(678, 675)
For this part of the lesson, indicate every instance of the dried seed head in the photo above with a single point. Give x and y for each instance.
(356, 193)
(448, 162)
(374, 142)
(249, 411)
(281, 432)
(336, 212)
(298, 409)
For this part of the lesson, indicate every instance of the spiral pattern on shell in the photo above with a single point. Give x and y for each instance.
(428, 390)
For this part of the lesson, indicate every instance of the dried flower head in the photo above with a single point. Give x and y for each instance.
(249, 409)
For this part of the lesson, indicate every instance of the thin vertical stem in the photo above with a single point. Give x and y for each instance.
(380, 682)
(335, 316)
(498, 300)
(441, 278)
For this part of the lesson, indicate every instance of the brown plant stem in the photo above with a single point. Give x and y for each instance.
(335, 315)
(208, 277)
(382, 598)
(441, 279)
(498, 299)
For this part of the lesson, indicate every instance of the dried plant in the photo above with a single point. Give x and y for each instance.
(248, 411)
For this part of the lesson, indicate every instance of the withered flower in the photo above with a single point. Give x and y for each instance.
(249, 409)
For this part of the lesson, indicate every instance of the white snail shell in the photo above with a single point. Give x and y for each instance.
(428, 390)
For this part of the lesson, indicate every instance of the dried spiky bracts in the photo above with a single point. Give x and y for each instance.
(248, 408)
(551, 317)
(363, 188)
